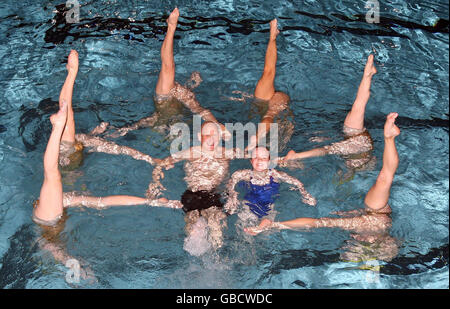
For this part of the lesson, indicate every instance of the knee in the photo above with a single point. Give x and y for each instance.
(52, 175)
(269, 72)
(385, 178)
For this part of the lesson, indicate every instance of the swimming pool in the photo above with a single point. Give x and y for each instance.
(321, 53)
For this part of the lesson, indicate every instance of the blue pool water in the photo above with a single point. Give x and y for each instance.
(321, 54)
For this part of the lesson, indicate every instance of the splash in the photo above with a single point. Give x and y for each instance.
(197, 241)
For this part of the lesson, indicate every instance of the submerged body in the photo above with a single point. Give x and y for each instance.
(205, 171)
(262, 186)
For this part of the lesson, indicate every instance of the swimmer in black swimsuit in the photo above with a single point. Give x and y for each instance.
(358, 145)
(170, 95)
(206, 167)
(369, 225)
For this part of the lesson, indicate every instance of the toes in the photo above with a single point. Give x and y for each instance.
(392, 116)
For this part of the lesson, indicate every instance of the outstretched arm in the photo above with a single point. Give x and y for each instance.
(316, 152)
(298, 185)
(98, 144)
(146, 122)
(232, 203)
(155, 187)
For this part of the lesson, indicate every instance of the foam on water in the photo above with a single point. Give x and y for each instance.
(197, 242)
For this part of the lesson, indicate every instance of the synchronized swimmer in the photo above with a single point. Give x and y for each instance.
(207, 166)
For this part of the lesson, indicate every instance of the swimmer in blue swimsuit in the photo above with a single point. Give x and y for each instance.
(370, 225)
(262, 190)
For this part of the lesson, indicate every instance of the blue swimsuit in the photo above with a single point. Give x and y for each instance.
(261, 197)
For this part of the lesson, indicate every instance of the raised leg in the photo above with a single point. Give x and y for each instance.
(378, 195)
(166, 80)
(66, 95)
(265, 88)
(355, 118)
(50, 205)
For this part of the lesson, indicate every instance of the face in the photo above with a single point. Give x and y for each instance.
(260, 159)
(209, 137)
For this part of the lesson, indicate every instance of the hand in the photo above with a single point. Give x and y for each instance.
(158, 174)
(154, 190)
(310, 201)
(119, 132)
(281, 161)
(100, 128)
(156, 161)
(290, 155)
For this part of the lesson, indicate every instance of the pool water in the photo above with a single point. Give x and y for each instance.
(322, 49)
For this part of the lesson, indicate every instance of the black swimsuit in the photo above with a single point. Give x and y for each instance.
(200, 200)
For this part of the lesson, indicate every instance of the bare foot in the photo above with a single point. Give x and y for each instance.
(274, 29)
(370, 69)
(72, 61)
(390, 129)
(59, 119)
(173, 18)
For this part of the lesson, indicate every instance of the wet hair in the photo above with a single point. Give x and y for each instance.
(257, 147)
(208, 122)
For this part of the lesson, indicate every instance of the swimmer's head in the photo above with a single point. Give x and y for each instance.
(260, 159)
(209, 135)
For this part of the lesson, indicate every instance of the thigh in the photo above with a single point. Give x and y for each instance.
(50, 206)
